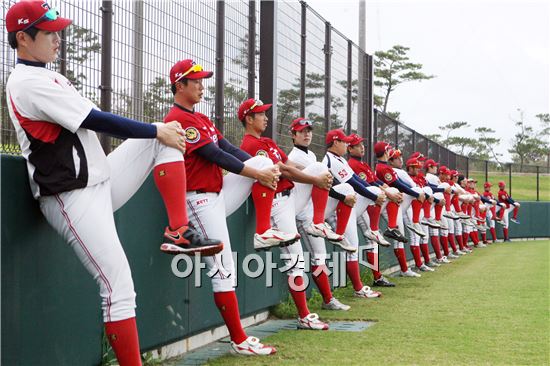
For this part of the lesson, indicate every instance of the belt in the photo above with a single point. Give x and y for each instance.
(198, 191)
(286, 192)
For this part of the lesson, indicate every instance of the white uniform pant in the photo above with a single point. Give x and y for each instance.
(84, 217)
(208, 213)
(505, 218)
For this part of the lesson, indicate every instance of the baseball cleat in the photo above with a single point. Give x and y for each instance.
(431, 222)
(497, 219)
(344, 244)
(441, 224)
(252, 347)
(453, 256)
(186, 240)
(425, 268)
(450, 215)
(274, 238)
(417, 228)
(481, 245)
(409, 273)
(367, 293)
(433, 264)
(312, 322)
(515, 221)
(462, 215)
(369, 234)
(334, 304)
(323, 230)
(459, 252)
(506, 241)
(443, 260)
(396, 235)
(382, 282)
(380, 239)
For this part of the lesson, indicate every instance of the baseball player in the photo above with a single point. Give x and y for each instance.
(341, 201)
(467, 200)
(337, 143)
(77, 186)
(211, 197)
(386, 174)
(456, 224)
(491, 213)
(509, 205)
(356, 152)
(312, 183)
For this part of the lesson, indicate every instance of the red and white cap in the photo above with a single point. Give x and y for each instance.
(444, 170)
(355, 139)
(414, 163)
(395, 153)
(418, 155)
(454, 173)
(380, 148)
(487, 185)
(501, 184)
(188, 69)
(429, 163)
(252, 106)
(338, 134)
(36, 13)
(300, 123)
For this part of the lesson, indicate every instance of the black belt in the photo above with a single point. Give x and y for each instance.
(286, 192)
(198, 191)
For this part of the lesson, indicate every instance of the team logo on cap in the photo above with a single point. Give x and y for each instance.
(388, 176)
(363, 176)
(262, 153)
(192, 135)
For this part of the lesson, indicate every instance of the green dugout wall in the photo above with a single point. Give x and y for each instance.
(50, 304)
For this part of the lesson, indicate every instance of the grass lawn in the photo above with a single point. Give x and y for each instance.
(524, 186)
(490, 307)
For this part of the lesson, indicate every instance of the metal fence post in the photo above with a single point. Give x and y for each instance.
(486, 171)
(370, 126)
(538, 183)
(414, 141)
(328, 53)
(396, 137)
(63, 53)
(106, 65)
(348, 94)
(510, 178)
(303, 54)
(220, 48)
(268, 69)
(251, 49)
(137, 68)
(468, 167)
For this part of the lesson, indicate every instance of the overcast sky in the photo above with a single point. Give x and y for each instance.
(489, 57)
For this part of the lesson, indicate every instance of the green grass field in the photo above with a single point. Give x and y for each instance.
(490, 308)
(524, 186)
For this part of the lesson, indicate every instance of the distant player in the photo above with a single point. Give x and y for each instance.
(509, 206)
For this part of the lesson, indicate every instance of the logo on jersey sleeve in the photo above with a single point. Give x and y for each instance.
(363, 176)
(388, 177)
(192, 135)
(262, 153)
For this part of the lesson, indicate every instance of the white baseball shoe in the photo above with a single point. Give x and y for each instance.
(431, 222)
(274, 238)
(312, 322)
(323, 230)
(344, 244)
(334, 304)
(425, 268)
(252, 347)
(367, 293)
(417, 228)
(379, 238)
(462, 215)
(459, 252)
(481, 245)
(453, 256)
(450, 215)
(442, 260)
(409, 273)
(441, 224)
(433, 263)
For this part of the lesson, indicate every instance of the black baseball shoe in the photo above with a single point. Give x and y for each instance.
(396, 235)
(186, 240)
(382, 282)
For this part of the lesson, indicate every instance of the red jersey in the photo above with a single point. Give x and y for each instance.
(420, 180)
(265, 146)
(488, 195)
(385, 172)
(199, 131)
(363, 170)
(503, 197)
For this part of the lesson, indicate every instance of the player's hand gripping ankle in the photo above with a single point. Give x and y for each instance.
(171, 134)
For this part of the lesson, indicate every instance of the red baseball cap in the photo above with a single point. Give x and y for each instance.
(501, 184)
(252, 106)
(414, 163)
(472, 180)
(429, 163)
(487, 185)
(454, 173)
(395, 153)
(381, 147)
(444, 170)
(300, 123)
(38, 14)
(418, 155)
(188, 69)
(355, 139)
(338, 134)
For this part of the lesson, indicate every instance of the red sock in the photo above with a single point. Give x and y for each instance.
(493, 234)
(319, 197)
(425, 252)
(459, 240)
(123, 337)
(392, 209)
(474, 239)
(516, 210)
(263, 199)
(342, 217)
(436, 246)
(371, 259)
(456, 204)
(352, 267)
(447, 201)
(451, 238)
(321, 280)
(374, 216)
(465, 240)
(501, 212)
(427, 206)
(476, 208)
(505, 231)
(438, 211)
(401, 258)
(229, 309)
(416, 208)
(299, 297)
(445, 244)
(484, 236)
(494, 211)
(172, 185)
(415, 250)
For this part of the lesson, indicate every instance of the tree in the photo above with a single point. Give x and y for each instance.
(392, 68)
(488, 142)
(462, 145)
(527, 146)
